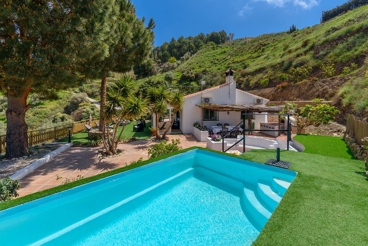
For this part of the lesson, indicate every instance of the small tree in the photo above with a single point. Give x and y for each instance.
(120, 105)
(316, 114)
(176, 101)
(158, 99)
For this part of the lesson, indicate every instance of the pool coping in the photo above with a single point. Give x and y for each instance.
(38, 163)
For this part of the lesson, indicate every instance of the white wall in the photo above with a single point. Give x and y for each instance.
(191, 113)
(244, 98)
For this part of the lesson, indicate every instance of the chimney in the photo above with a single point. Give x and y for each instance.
(229, 76)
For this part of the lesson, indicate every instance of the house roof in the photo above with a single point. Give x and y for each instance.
(206, 90)
(251, 94)
(250, 108)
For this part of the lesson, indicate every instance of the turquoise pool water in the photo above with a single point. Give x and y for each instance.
(194, 198)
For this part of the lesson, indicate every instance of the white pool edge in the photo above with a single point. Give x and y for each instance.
(36, 164)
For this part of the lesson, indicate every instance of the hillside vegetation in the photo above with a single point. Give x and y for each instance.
(332, 50)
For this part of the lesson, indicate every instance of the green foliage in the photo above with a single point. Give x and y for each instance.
(351, 4)
(300, 73)
(163, 148)
(85, 111)
(75, 101)
(254, 58)
(172, 60)
(8, 189)
(264, 82)
(283, 77)
(169, 77)
(311, 114)
(328, 69)
(355, 93)
(293, 29)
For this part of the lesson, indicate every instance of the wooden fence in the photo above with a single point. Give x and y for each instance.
(356, 129)
(50, 134)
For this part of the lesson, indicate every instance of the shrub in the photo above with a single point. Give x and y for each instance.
(74, 102)
(172, 60)
(328, 69)
(283, 77)
(8, 189)
(264, 82)
(346, 70)
(164, 148)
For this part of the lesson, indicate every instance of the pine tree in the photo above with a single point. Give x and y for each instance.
(42, 46)
(130, 43)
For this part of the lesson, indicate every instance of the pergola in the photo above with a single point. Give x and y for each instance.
(246, 108)
(249, 110)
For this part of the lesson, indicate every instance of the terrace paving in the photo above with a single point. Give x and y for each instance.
(84, 162)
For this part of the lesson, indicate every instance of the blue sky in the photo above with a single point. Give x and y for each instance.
(244, 18)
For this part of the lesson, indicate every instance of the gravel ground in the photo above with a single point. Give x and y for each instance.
(9, 167)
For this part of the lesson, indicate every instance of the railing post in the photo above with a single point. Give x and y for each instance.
(223, 142)
(243, 134)
(288, 132)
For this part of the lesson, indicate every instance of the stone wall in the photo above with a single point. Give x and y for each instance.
(360, 152)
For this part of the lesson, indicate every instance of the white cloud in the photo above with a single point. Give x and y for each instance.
(245, 9)
(305, 4)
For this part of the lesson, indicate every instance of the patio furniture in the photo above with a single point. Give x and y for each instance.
(88, 127)
(226, 124)
(139, 127)
(218, 124)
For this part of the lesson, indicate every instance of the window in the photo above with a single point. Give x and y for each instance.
(210, 115)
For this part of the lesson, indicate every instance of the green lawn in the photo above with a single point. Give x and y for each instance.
(82, 137)
(327, 146)
(327, 202)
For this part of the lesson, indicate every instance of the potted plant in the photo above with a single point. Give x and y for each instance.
(154, 131)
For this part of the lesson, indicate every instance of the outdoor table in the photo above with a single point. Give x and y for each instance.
(217, 129)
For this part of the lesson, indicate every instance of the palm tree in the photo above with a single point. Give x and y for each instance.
(176, 102)
(120, 104)
(158, 99)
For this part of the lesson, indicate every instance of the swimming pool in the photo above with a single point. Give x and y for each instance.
(194, 198)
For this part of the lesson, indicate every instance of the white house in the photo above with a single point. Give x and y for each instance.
(222, 95)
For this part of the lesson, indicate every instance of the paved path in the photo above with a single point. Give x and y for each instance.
(93, 101)
(83, 161)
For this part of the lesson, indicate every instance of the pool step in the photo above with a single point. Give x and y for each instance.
(256, 213)
(279, 186)
(269, 198)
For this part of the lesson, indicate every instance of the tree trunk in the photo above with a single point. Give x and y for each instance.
(102, 101)
(170, 125)
(157, 127)
(16, 131)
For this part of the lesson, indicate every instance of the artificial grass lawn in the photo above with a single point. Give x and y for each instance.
(324, 145)
(325, 205)
(82, 137)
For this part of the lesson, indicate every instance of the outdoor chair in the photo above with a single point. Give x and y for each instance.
(138, 128)
(226, 124)
(219, 124)
(88, 127)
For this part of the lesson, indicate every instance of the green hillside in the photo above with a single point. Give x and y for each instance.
(331, 49)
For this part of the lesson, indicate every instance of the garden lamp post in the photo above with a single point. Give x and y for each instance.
(69, 134)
